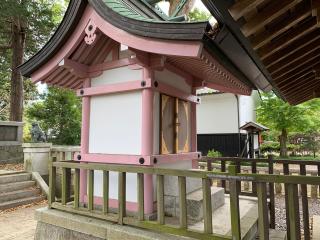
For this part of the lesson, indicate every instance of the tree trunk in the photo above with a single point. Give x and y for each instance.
(18, 45)
(185, 10)
(283, 143)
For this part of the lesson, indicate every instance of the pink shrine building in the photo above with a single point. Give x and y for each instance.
(137, 73)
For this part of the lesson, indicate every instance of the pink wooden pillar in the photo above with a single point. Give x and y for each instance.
(84, 138)
(194, 147)
(147, 139)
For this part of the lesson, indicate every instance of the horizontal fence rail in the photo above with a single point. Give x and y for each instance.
(280, 168)
(231, 176)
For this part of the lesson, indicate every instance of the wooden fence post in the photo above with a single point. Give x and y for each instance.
(234, 205)
(271, 195)
(263, 221)
(52, 182)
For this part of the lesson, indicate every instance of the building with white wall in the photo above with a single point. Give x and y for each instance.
(219, 117)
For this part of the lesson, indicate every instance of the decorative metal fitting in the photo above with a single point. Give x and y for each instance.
(79, 157)
(141, 160)
(155, 160)
(156, 84)
(90, 31)
(81, 91)
(199, 155)
(143, 83)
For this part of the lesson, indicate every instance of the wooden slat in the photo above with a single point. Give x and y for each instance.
(286, 172)
(121, 196)
(308, 79)
(263, 221)
(254, 170)
(287, 39)
(295, 56)
(182, 202)
(294, 80)
(286, 71)
(293, 212)
(298, 44)
(223, 169)
(305, 207)
(264, 37)
(241, 8)
(207, 208)
(140, 181)
(307, 87)
(271, 195)
(76, 187)
(105, 192)
(64, 186)
(234, 206)
(52, 185)
(90, 189)
(160, 199)
(299, 71)
(276, 9)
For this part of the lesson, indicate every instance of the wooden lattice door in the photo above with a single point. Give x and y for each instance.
(175, 127)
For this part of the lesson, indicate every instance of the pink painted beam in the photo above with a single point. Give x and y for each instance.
(84, 139)
(117, 158)
(193, 118)
(147, 138)
(115, 88)
(170, 158)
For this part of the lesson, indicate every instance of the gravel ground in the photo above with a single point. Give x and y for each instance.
(12, 167)
(314, 209)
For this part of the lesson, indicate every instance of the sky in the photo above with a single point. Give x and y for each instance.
(165, 6)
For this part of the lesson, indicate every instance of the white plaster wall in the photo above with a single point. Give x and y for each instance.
(117, 75)
(115, 123)
(172, 79)
(217, 113)
(131, 186)
(247, 107)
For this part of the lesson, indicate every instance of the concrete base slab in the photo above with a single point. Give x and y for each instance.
(316, 228)
(54, 224)
(277, 235)
(221, 220)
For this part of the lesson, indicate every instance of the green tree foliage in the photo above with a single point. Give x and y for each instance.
(284, 118)
(59, 115)
(198, 15)
(25, 26)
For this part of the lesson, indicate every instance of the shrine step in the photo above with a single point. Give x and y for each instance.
(194, 203)
(22, 201)
(16, 177)
(25, 193)
(15, 186)
(277, 235)
(316, 227)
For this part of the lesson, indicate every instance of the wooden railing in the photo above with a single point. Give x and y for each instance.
(272, 166)
(231, 176)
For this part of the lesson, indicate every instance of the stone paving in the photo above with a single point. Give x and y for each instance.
(19, 224)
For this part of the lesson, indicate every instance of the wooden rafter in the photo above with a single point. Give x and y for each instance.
(276, 9)
(265, 36)
(295, 79)
(287, 38)
(298, 71)
(296, 64)
(294, 56)
(304, 83)
(241, 8)
(292, 48)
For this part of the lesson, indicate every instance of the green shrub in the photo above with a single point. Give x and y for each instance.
(213, 153)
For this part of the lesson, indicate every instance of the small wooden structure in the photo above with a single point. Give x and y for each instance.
(254, 131)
